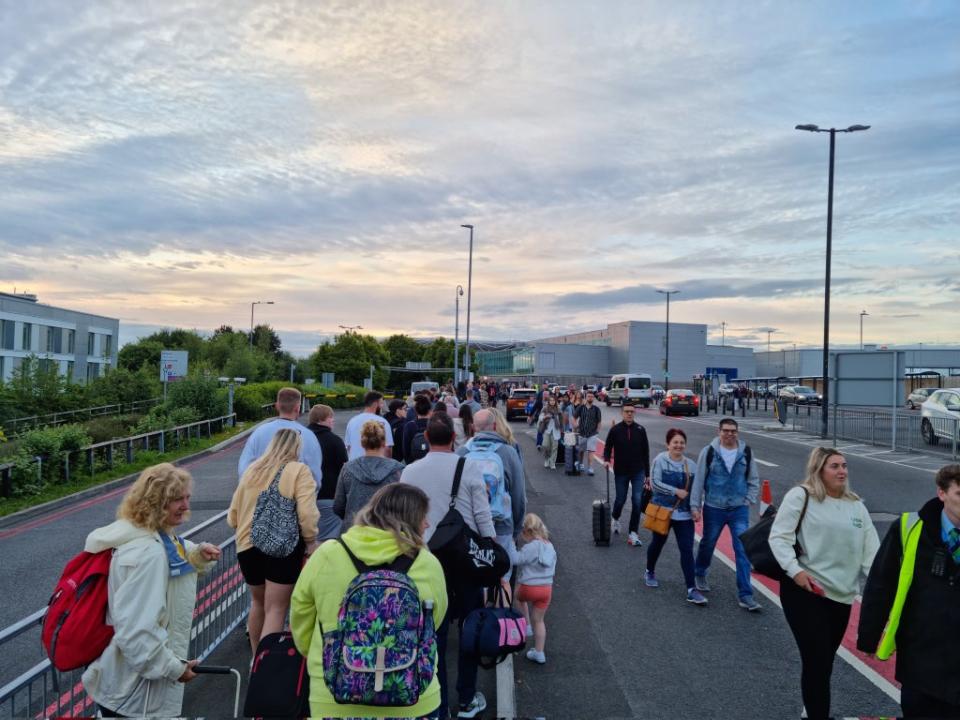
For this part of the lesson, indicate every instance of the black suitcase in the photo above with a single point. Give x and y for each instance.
(601, 518)
(570, 459)
(279, 681)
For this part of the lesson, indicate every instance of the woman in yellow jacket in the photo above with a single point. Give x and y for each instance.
(390, 525)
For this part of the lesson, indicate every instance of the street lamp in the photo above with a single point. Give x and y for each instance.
(826, 285)
(466, 352)
(258, 302)
(456, 338)
(666, 362)
(723, 337)
(351, 328)
(863, 314)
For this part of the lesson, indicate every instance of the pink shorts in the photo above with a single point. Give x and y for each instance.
(538, 595)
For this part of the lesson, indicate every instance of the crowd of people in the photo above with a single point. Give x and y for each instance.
(381, 497)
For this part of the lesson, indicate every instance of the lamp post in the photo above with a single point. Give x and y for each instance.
(456, 339)
(723, 330)
(257, 302)
(666, 361)
(826, 285)
(863, 314)
(466, 351)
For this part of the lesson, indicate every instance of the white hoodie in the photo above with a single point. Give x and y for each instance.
(151, 614)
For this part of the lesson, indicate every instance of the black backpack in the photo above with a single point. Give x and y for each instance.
(418, 447)
(747, 455)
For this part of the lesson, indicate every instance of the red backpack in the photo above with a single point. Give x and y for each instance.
(75, 630)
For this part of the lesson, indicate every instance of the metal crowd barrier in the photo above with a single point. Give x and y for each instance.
(222, 605)
(22, 424)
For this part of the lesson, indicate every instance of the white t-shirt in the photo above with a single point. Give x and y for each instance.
(729, 457)
(351, 438)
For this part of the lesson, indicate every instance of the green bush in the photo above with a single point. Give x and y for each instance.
(163, 417)
(108, 428)
(52, 444)
(202, 394)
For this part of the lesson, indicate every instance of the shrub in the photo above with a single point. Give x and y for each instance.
(108, 428)
(52, 444)
(202, 394)
(162, 417)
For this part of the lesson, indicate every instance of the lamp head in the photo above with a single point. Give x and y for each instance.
(808, 128)
(467, 226)
(857, 128)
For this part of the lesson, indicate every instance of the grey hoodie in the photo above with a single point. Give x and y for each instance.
(513, 476)
(537, 563)
(359, 480)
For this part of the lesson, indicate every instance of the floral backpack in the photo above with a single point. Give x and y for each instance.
(383, 650)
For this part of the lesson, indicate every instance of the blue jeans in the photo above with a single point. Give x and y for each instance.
(683, 531)
(714, 520)
(623, 482)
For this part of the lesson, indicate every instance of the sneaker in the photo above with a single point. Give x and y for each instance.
(590, 471)
(650, 580)
(553, 466)
(476, 706)
(537, 657)
(529, 630)
(696, 597)
(546, 463)
(633, 540)
(615, 527)
(700, 581)
(749, 604)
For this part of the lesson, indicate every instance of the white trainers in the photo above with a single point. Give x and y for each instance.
(634, 540)
(615, 527)
(476, 706)
(537, 657)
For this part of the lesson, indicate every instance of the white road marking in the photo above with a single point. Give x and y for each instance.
(506, 690)
(765, 463)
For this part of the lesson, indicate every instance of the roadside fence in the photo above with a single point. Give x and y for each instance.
(18, 425)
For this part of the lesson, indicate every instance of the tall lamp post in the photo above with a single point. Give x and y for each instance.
(466, 351)
(826, 286)
(863, 314)
(723, 330)
(666, 361)
(257, 302)
(456, 339)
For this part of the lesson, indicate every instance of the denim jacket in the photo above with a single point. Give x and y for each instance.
(718, 487)
(666, 480)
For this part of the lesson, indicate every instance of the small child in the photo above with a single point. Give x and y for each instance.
(536, 562)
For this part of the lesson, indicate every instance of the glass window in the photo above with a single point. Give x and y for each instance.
(71, 342)
(93, 370)
(107, 344)
(55, 340)
(6, 334)
(26, 342)
(70, 365)
(637, 383)
(91, 343)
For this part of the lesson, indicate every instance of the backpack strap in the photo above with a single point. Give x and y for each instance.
(710, 454)
(456, 481)
(401, 563)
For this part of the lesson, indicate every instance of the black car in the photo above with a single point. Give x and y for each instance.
(680, 402)
(800, 395)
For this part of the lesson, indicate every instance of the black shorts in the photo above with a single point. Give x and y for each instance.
(258, 567)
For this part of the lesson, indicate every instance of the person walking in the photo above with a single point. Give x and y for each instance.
(391, 525)
(911, 602)
(725, 485)
(396, 417)
(321, 421)
(549, 427)
(837, 543)
(414, 429)
(627, 444)
(372, 407)
(151, 590)
(363, 476)
(536, 564)
(463, 425)
(269, 578)
(588, 422)
(671, 478)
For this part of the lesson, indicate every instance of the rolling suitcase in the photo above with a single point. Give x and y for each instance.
(601, 518)
(570, 453)
(279, 682)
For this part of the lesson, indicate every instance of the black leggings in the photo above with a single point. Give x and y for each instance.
(818, 625)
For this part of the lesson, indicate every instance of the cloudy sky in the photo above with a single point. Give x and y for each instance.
(169, 162)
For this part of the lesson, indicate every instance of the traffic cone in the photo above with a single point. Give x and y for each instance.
(766, 497)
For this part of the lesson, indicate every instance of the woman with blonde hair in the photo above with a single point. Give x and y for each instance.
(363, 476)
(825, 541)
(271, 578)
(388, 527)
(536, 563)
(504, 430)
(152, 588)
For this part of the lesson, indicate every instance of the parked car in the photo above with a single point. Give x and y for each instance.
(680, 402)
(800, 395)
(918, 397)
(726, 389)
(517, 402)
(941, 417)
(629, 388)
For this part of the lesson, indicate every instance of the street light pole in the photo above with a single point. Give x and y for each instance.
(826, 285)
(723, 337)
(466, 351)
(258, 302)
(456, 339)
(863, 314)
(666, 361)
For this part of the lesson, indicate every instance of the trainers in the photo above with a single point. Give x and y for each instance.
(537, 657)
(546, 463)
(700, 581)
(529, 631)
(615, 527)
(696, 597)
(634, 540)
(650, 580)
(476, 706)
(590, 471)
(749, 604)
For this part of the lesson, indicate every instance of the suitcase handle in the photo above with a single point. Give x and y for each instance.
(212, 669)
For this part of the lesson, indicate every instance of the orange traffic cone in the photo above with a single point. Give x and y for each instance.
(766, 497)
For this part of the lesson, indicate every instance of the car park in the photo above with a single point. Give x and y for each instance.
(940, 415)
(680, 402)
(919, 396)
(517, 402)
(800, 395)
(629, 388)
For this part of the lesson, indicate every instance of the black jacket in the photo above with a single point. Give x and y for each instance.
(411, 429)
(630, 448)
(396, 427)
(927, 658)
(334, 456)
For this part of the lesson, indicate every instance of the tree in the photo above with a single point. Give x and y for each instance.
(134, 356)
(402, 349)
(350, 356)
(266, 340)
(439, 354)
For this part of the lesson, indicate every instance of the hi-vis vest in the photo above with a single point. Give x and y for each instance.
(910, 528)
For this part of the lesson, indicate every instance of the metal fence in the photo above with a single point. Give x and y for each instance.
(222, 605)
(18, 425)
(104, 455)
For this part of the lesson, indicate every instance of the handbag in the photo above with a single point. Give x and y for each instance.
(756, 542)
(492, 633)
(275, 530)
(466, 557)
(658, 519)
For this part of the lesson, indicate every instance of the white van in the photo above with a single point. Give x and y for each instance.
(630, 388)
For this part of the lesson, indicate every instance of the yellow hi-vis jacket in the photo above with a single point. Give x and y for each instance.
(910, 527)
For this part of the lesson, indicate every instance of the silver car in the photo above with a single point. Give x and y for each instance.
(941, 417)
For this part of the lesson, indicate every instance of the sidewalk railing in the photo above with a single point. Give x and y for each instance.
(18, 425)
(104, 455)
(222, 605)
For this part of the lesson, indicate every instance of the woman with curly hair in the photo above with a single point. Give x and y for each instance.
(152, 589)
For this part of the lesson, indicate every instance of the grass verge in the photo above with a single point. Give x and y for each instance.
(143, 459)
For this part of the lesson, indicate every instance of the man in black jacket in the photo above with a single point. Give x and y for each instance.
(334, 457)
(627, 441)
(928, 664)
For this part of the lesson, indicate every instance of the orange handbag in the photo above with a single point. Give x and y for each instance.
(656, 518)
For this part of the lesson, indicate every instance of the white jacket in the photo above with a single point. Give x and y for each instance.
(151, 614)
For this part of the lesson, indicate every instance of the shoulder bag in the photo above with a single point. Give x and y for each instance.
(756, 542)
(656, 518)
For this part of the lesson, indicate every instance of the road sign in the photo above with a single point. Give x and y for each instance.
(173, 365)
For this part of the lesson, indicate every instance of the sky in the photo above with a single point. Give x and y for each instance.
(168, 163)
